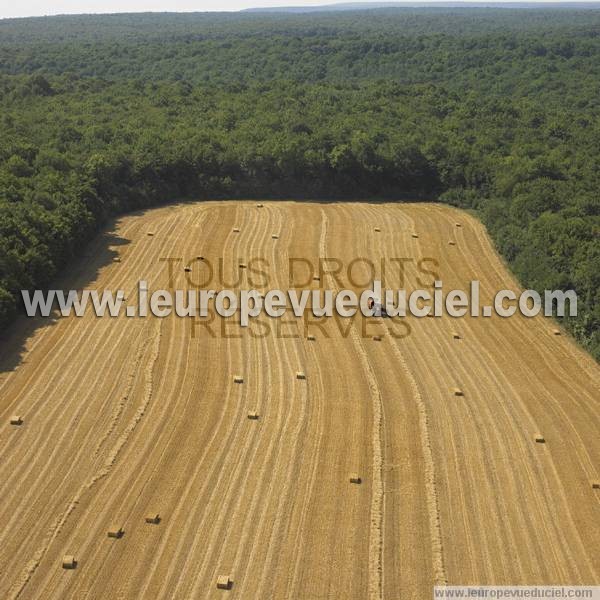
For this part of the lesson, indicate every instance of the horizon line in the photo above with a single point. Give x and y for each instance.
(335, 6)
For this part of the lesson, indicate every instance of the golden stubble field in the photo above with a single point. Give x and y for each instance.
(129, 417)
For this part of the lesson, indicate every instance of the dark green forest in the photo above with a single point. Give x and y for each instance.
(492, 110)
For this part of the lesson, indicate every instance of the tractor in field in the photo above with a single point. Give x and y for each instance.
(377, 308)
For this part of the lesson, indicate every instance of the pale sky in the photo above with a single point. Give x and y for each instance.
(29, 8)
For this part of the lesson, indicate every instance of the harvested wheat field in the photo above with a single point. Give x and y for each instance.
(144, 464)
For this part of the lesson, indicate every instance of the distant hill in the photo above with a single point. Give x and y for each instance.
(345, 6)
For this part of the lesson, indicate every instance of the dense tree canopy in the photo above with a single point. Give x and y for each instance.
(492, 110)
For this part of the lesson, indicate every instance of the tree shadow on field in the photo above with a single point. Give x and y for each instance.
(79, 273)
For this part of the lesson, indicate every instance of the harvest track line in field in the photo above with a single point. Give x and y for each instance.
(376, 518)
(437, 550)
